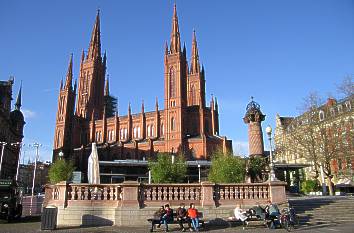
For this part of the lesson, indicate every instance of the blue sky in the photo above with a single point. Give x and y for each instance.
(277, 51)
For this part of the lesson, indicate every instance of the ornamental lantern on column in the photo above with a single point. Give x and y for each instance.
(254, 118)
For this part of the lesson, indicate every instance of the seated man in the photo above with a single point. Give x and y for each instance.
(258, 211)
(272, 213)
(167, 217)
(182, 216)
(240, 214)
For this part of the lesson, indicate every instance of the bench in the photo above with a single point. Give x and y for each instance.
(252, 216)
(155, 221)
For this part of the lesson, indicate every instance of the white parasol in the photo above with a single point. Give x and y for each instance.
(93, 168)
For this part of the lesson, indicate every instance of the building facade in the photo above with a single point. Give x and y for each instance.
(326, 132)
(185, 124)
(11, 130)
(25, 176)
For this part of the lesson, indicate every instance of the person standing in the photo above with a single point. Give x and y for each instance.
(193, 215)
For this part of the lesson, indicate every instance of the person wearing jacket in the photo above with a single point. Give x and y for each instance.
(193, 215)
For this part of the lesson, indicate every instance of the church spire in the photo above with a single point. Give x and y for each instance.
(95, 43)
(195, 66)
(18, 103)
(175, 45)
(69, 74)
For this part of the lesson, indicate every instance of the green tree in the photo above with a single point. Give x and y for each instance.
(309, 186)
(256, 167)
(164, 171)
(61, 170)
(226, 168)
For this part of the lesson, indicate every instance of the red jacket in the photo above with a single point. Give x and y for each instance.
(192, 213)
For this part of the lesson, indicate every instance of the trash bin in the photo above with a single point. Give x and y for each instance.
(49, 218)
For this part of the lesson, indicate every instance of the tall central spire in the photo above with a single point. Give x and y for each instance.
(95, 43)
(69, 74)
(195, 66)
(18, 103)
(175, 45)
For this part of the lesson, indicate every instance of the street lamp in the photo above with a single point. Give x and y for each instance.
(19, 144)
(35, 145)
(2, 154)
(61, 155)
(271, 165)
(199, 172)
(173, 155)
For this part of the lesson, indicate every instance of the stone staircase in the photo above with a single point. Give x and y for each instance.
(323, 210)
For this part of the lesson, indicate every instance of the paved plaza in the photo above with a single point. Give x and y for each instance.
(32, 225)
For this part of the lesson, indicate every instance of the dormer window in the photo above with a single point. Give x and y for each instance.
(340, 108)
(321, 115)
(332, 111)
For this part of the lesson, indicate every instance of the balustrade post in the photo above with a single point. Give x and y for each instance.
(207, 194)
(48, 194)
(130, 196)
(63, 196)
(277, 192)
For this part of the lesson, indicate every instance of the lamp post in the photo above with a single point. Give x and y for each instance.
(35, 145)
(173, 155)
(61, 155)
(2, 154)
(19, 144)
(199, 172)
(271, 164)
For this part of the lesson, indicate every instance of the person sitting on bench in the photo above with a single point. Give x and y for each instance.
(158, 216)
(181, 214)
(240, 214)
(193, 215)
(167, 217)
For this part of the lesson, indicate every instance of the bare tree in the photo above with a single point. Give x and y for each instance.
(346, 87)
(317, 138)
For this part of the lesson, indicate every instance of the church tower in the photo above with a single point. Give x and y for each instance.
(65, 112)
(254, 118)
(90, 97)
(175, 68)
(196, 79)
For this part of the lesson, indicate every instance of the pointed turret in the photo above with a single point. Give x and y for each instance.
(157, 105)
(212, 106)
(82, 56)
(94, 50)
(166, 48)
(184, 50)
(129, 110)
(175, 45)
(142, 107)
(216, 105)
(61, 84)
(69, 74)
(18, 103)
(106, 90)
(195, 66)
(104, 59)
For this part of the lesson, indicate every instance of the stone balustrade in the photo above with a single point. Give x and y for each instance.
(132, 193)
(155, 194)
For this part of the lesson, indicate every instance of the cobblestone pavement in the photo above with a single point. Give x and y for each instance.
(32, 225)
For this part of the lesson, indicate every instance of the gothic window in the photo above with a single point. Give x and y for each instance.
(321, 115)
(193, 95)
(152, 130)
(148, 131)
(162, 129)
(58, 139)
(139, 132)
(172, 83)
(332, 111)
(173, 124)
(340, 108)
(125, 133)
(134, 132)
(207, 126)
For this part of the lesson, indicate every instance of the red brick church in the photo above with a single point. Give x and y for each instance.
(185, 125)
